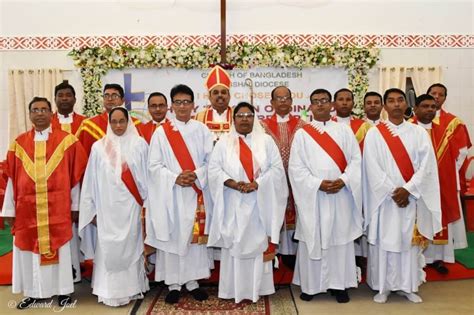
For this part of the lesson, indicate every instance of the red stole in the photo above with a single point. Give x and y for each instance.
(399, 152)
(129, 181)
(3, 187)
(328, 144)
(186, 163)
(69, 128)
(359, 127)
(217, 126)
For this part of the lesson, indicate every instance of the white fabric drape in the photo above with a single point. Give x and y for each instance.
(392, 77)
(423, 77)
(23, 85)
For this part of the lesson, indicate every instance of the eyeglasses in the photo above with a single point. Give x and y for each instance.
(283, 98)
(320, 101)
(111, 96)
(40, 110)
(182, 102)
(246, 115)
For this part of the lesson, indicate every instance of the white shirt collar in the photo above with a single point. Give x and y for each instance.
(426, 126)
(42, 135)
(345, 120)
(65, 120)
(280, 119)
(438, 113)
(219, 117)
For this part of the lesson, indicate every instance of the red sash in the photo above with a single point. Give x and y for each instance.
(186, 163)
(329, 145)
(218, 126)
(399, 152)
(246, 159)
(129, 182)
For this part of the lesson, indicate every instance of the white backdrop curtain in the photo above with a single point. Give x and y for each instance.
(423, 77)
(23, 85)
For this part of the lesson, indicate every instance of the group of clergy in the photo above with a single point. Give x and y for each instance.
(179, 192)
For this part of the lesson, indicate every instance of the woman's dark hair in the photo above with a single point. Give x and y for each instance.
(241, 105)
(123, 110)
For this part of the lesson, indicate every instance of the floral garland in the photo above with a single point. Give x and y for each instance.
(94, 62)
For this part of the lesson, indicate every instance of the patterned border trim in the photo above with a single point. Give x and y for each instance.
(380, 41)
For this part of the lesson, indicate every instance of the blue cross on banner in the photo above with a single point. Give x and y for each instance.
(129, 95)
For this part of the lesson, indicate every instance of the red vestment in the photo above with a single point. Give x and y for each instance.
(43, 174)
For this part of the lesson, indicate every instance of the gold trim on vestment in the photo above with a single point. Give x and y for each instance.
(41, 188)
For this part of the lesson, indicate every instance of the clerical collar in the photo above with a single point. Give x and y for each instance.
(182, 123)
(372, 122)
(283, 119)
(345, 120)
(65, 120)
(391, 124)
(219, 117)
(426, 126)
(321, 123)
(159, 123)
(438, 113)
(42, 135)
(246, 137)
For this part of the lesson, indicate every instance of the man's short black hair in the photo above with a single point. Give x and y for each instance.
(321, 91)
(157, 94)
(393, 90)
(64, 85)
(183, 89)
(423, 97)
(343, 90)
(372, 93)
(438, 85)
(39, 99)
(116, 87)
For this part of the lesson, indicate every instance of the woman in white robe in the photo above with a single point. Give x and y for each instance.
(119, 273)
(248, 212)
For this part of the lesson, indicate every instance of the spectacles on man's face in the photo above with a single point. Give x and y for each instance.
(113, 96)
(321, 101)
(39, 110)
(244, 115)
(283, 98)
(182, 102)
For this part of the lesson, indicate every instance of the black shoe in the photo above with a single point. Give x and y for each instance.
(25, 303)
(199, 295)
(173, 297)
(439, 266)
(306, 297)
(341, 296)
(64, 300)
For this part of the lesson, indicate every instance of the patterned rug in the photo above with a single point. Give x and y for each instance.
(280, 303)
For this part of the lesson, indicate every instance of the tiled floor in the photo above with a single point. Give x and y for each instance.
(450, 297)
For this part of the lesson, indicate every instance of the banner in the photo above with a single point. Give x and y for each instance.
(252, 85)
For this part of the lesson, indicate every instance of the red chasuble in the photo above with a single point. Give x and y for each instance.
(283, 134)
(359, 128)
(69, 128)
(448, 135)
(147, 130)
(43, 174)
(93, 129)
(186, 163)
